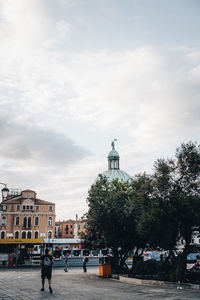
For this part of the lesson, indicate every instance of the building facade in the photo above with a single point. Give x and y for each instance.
(70, 228)
(24, 216)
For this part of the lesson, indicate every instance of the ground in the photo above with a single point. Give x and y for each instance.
(25, 284)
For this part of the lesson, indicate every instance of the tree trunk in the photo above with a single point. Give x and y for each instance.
(182, 264)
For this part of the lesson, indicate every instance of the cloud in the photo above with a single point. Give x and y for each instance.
(39, 147)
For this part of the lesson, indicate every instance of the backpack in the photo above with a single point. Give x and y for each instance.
(47, 261)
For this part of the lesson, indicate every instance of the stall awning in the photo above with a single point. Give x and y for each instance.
(21, 241)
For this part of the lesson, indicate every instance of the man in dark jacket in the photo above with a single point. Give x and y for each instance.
(46, 262)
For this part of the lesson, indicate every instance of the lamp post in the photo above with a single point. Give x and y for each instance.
(4, 191)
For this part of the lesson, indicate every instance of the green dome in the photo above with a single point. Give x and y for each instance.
(113, 154)
(114, 171)
(116, 174)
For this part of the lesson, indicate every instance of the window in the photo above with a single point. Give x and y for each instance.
(25, 222)
(29, 235)
(50, 221)
(3, 221)
(16, 234)
(27, 207)
(29, 222)
(36, 221)
(18, 207)
(36, 234)
(70, 226)
(50, 207)
(17, 221)
(71, 232)
(4, 207)
(23, 234)
(37, 207)
(49, 234)
(67, 229)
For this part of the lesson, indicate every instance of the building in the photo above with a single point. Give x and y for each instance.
(24, 216)
(70, 228)
(64, 229)
(114, 171)
(79, 227)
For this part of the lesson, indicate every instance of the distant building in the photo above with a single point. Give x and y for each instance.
(70, 228)
(64, 229)
(79, 227)
(24, 216)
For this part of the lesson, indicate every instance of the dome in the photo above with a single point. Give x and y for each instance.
(116, 174)
(113, 154)
(114, 171)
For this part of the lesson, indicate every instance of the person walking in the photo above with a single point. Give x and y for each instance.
(85, 260)
(46, 262)
(66, 263)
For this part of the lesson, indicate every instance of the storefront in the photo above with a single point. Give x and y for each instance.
(18, 252)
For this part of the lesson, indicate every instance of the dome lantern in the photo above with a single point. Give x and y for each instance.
(113, 158)
(114, 171)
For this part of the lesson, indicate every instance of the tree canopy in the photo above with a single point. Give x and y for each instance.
(153, 211)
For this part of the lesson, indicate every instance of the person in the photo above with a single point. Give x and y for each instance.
(46, 262)
(85, 260)
(196, 266)
(66, 263)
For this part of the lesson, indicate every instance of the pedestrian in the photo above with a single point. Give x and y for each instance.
(85, 260)
(46, 262)
(66, 263)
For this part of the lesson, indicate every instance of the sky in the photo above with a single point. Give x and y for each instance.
(76, 74)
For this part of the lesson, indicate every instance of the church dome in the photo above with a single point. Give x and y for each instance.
(119, 174)
(114, 171)
(113, 153)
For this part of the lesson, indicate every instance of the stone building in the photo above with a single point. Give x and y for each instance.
(70, 228)
(64, 229)
(24, 216)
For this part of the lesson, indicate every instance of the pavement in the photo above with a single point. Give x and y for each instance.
(25, 284)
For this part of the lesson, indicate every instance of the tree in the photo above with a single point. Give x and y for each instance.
(108, 223)
(177, 190)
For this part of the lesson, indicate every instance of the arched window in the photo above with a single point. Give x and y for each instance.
(29, 222)
(49, 234)
(50, 221)
(25, 222)
(29, 235)
(3, 235)
(23, 234)
(16, 234)
(36, 221)
(3, 221)
(36, 234)
(17, 221)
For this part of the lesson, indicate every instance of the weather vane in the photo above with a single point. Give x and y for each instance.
(113, 144)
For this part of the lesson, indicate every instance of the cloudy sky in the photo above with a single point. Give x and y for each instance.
(75, 74)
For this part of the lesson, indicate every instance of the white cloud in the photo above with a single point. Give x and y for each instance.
(50, 88)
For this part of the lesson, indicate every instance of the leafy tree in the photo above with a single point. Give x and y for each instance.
(177, 192)
(108, 223)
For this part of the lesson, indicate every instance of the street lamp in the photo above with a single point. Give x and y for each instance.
(4, 191)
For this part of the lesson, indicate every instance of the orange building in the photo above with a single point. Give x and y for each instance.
(70, 228)
(23, 216)
(65, 229)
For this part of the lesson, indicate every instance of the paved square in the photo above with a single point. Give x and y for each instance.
(24, 284)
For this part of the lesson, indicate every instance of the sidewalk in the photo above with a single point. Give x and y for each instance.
(25, 284)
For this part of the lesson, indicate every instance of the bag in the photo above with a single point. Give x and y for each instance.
(47, 261)
(86, 259)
